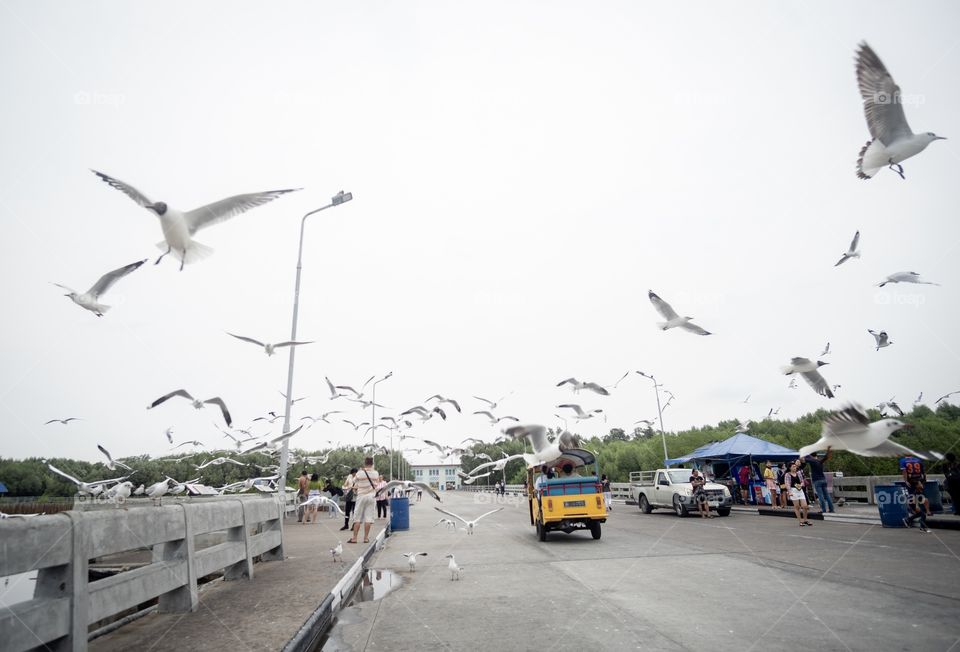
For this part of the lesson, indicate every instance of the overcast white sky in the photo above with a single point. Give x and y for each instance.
(523, 174)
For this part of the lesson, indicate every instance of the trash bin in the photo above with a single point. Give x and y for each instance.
(932, 491)
(400, 513)
(892, 501)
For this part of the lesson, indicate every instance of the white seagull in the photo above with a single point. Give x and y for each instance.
(89, 488)
(826, 350)
(891, 141)
(217, 462)
(494, 420)
(946, 396)
(809, 370)
(454, 568)
(216, 400)
(544, 450)
(493, 404)
(63, 421)
(169, 433)
(406, 485)
(337, 551)
(577, 386)
(673, 319)
(111, 464)
(852, 252)
(269, 349)
(179, 228)
(447, 523)
(412, 559)
(321, 501)
(905, 277)
(850, 430)
(468, 525)
(443, 399)
(883, 340)
(89, 299)
(579, 413)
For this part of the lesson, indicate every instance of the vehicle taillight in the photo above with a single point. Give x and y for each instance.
(598, 502)
(550, 504)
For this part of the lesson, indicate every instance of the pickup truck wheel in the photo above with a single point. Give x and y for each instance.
(644, 504)
(679, 507)
(541, 531)
(595, 529)
(723, 511)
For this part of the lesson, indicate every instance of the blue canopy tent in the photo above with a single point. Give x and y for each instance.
(740, 446)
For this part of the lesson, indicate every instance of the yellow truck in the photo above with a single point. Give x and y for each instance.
(567, 503)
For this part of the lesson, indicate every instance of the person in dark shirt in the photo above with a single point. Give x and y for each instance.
(744, 476)
(816, 463)
(918, 506)
(699, 494)
(951, 473)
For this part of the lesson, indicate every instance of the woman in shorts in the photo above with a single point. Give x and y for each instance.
(794, 481)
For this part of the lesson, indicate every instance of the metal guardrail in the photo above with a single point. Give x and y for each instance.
(60, 546)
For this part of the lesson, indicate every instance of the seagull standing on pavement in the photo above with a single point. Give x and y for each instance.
(809, 370)
(852, 252)
(882, 339)
(179, 228)
(905, 277)
(89, 299)
(891, 141)
(673, 319)
(850, 430)
(412, 559)
(216, 400)
(337, 551)
(269, 349)
(454, 568)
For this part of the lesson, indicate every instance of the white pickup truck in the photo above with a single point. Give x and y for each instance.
(671, 489)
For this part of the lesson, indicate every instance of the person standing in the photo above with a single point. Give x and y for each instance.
(794, 480)
(744, 477)
(302, 489)
(382, 499)
(782, 484)
(365, 485)
(820, 480)
(699, 495)
(313, 489)
(770, 479)
(607, 494)
(349, 498)
(951, 473)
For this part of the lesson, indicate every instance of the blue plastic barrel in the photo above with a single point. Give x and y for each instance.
(400, 513)
(892, 501)
(932, 491)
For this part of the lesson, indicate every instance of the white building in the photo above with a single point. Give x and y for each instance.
(440, 475)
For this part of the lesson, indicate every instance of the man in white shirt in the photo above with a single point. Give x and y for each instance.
(365, 484)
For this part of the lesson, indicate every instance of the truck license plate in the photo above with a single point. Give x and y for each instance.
(574, 503)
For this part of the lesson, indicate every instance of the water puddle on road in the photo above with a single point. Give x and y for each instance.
(375, 585)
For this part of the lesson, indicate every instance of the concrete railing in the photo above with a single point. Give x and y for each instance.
(60, 546)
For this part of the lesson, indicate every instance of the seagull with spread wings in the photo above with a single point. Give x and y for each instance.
(89, 488)
(407, 485)
(89, 300)
(63, 421)
(850, 429)
(883, 340)
(492, 404)
(269, 349)
(891, 140)
(216, 400)
(810, 372)
(578, 385)
(494, 420)
(179, 227)
(111, 463)
(579, 413)
(468, 525)
(852, 251)
(673, 319)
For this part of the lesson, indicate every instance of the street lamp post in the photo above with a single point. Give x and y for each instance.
(663, 437)
(340, 198)
(373, 416)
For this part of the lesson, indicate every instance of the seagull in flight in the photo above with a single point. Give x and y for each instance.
(891, 140)
(793, 384)
(673, 320)
(946, 396)
(216, 400)
(747, 400)
(905, 277)
(89, 299)
(407, 485)
(355, 392)
(269, 349)
(468, 525)
(852, 251)
(919, 398)
(111, 464)
(89, 488)
(442, 399)
(63, 421)
(424, 413)
(169, 433)
(850, 430)
(412, 559)
(322, 417)
(882, 339)
(179, 228)
(577, 386)
(493, 404)
(217, 462)
(883, 405)
(494, 420)
(321, 501)
(826, 350)
(809, 370)
(579, 413)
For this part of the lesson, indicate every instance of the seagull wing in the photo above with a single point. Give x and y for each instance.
(348, 388)
(817, 382)
(492, 511)
(63, 475)
(286, 435)
(693, 328)
(662, 306)
(246, 339)
(443, 415)
(487, 401)
(126, 189)
(854, 242)
(224, 209)
(536, 434)
(574, 407)
(459, 518)
(216, 400)
(426, 487)
(107, 280)
(333, 390)
(179, 392)
(487, 413)
(881, 98)
(888, 449)
(105, 452)
(280, 344)
(593, 387)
